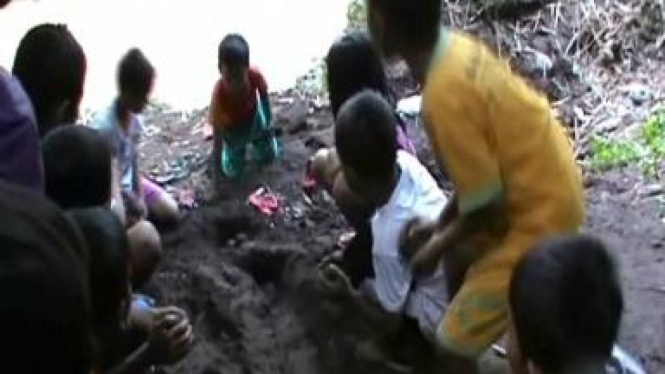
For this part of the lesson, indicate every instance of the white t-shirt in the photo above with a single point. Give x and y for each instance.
(416, 195)
(123, 143)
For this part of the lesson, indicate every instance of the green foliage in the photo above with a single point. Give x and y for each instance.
(653, 133)
(647, 150)
(356, 15)
(609, 153)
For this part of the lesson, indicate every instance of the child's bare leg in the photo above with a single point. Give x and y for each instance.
(165, 210)
(162, 208)
(145, 251)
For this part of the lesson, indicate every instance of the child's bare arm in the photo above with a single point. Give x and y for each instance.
(117, 202)
(460, 227)
(360, 300)
(170, 339)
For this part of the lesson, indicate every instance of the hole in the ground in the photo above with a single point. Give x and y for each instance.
(265, 266)
(229, 227)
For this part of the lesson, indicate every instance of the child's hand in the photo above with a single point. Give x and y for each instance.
(171, 336)
(428, 258)
(415, 235)
(334, 280)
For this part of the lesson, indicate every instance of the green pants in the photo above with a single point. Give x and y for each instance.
(256, 135)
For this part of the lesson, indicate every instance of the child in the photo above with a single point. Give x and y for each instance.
(240, 112)
(43, 288)
(51, 66)
(399, 189)
(77, 166)
(565, 305)
(122, 128)
(352, 65)
(169, 331)
(508, 157)
(20, 157)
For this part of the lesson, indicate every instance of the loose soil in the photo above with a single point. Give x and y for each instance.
(248, 280)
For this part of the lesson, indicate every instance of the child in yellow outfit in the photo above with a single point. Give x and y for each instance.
(509, 159)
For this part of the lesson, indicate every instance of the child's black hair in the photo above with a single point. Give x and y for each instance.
(566, 304)
(77, 167)
(233, 52)
(352, 65)
(366, 135)
(414, 24)
(109, 262)
(135, 73)
(51, 66)
(44, 296)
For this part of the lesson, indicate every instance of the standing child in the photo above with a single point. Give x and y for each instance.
(399, 189)
(240, 112)
(508, 157)
(121, 126)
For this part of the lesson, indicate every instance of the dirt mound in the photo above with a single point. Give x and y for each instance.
(248, 280)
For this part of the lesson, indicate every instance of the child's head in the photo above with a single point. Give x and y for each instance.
(233, 57)
(366, 142)
(51, 66)
(399, 26)
(136, 77)
(77, 167)
(44, 298)
(565, 307)
(109, 264)
(352, 65)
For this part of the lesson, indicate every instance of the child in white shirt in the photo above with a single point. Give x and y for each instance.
(401, 190)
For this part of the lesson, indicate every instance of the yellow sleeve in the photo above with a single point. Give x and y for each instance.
(457, 123)
(468, 159)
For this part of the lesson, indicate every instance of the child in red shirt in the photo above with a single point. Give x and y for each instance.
(240, 112)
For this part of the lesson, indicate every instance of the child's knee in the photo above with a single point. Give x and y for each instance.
(145, 250)
(166, 211)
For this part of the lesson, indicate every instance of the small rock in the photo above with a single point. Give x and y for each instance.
(232, 243)
(638, 93)
(299, 126)
(652, 190)
(241, 237)
(248, 245)
(657, 244)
